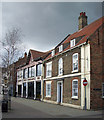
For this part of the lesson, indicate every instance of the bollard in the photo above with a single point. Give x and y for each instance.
(4, 106)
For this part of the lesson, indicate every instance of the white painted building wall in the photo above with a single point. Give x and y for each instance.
(85, 70)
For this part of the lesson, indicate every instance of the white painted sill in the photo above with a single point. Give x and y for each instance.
(74, 97)
(74, 71)
(48, 76)
(48, 96)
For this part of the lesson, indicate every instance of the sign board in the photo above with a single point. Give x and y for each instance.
(85, 82)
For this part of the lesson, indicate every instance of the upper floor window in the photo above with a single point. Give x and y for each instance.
(49, 69)
(39, 70)
(75, 88)
(29, 72)
(53, 52)
(20, 74)
(72, 43)
(60, 48)
(48, 89)
(33, 71)
(25, 73)
(103, 90)
(60, 66)
(75, 62)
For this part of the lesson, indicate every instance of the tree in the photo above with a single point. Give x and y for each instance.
(11, 44)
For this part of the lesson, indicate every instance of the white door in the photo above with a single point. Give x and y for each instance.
(59, 91)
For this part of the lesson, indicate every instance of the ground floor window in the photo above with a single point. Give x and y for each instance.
(103, 90)
(75, 88)
(48, 89)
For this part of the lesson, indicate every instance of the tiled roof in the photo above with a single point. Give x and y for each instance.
(82, 35)
(21, 61)
(36, 54)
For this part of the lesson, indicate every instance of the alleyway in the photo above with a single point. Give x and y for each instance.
(26, 108)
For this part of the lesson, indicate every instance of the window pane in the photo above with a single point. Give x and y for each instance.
(49, 70)
(75, 88)
(39, 70)
(33, 71)
(48, 89)
(75, 62)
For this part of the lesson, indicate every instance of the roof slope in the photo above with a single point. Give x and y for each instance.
(82, 34)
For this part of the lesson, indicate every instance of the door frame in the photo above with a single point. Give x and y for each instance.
(58, 91)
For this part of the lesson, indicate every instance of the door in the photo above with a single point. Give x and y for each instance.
(59, 92)
(24, 89)
(31, 90)
(19, 90)
(38, 90)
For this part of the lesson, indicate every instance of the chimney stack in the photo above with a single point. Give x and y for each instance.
(25, 54)
(82, 20)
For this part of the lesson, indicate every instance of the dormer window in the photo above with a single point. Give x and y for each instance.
(72, 43)
(53, 52)
(60, 48)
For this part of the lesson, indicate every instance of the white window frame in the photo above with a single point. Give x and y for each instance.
(33, 71)
(60, 66)
(102, 90)
(60, 48)
(73, 62)
(73, 96)
(48, 68)
(72, 43)
(29, 72)
(48, 93)
(53, 52)
(39, 70)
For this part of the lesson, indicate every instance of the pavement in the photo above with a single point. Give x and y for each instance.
(28, 108)
(0, 107)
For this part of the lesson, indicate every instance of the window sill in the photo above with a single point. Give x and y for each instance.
(48, 76)
(74, 97)
(60, 75)
(47, 96)
(74, 71)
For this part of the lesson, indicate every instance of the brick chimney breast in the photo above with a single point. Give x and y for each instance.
(82, 20)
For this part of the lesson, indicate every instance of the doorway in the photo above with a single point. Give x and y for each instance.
(59, 92)
(38, 90)
(24, 89)
(31, 90)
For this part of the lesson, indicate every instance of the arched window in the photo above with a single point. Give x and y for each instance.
(60, 66)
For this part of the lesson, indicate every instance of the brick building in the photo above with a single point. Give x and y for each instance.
(29, 76)
(79, 56)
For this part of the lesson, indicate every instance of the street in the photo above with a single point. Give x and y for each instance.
(28, 108)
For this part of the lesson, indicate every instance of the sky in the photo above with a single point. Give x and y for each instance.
(45, 24)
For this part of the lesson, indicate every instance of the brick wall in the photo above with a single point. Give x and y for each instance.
(67, 91)
(97, 69)
(67, 63)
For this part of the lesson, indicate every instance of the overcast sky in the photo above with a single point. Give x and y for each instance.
(44, 24)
